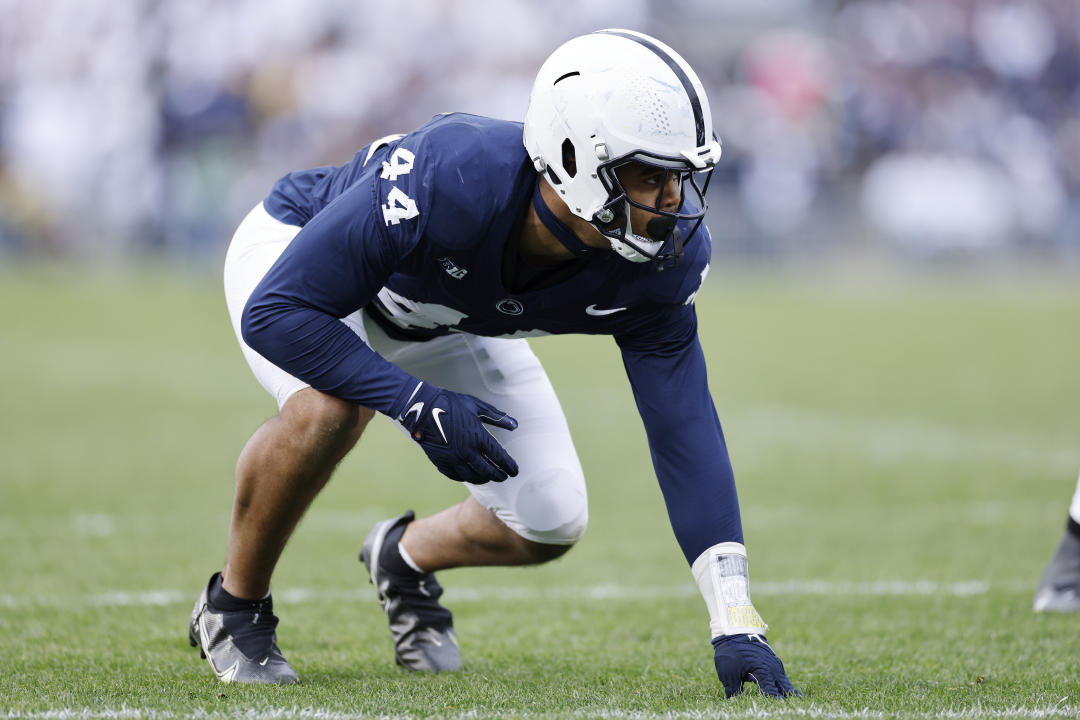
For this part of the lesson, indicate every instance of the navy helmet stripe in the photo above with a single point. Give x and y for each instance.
(695, 102)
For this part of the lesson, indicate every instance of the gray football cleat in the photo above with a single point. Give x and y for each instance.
(241, 645)
(422, 629)
(1059, 589)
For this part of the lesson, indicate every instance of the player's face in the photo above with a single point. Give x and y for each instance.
(647, 185)
(651, 187)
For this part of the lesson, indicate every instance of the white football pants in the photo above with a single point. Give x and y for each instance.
(546, 502)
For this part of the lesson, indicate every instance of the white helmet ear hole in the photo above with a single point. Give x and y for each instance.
(569, 157)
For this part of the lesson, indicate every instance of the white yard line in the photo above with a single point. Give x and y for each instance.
(300, 596)
(772, 710)
(93, 525)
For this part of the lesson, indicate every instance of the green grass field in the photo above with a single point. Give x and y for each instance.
(905, 453)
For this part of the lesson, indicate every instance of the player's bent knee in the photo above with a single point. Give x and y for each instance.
(323, 417)
(552, 509)
(545, 552)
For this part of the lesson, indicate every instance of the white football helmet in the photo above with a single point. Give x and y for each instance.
(613, 97)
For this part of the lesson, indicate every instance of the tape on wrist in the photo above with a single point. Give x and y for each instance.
(723, 576)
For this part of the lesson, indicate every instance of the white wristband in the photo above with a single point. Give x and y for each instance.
(723, 577)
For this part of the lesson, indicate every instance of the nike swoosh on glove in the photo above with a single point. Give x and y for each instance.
(748, 657)
(449, 426)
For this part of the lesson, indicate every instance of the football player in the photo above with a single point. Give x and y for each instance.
(1059, 588)
(403, 282)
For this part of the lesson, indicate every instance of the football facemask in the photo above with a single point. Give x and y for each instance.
(663, 241)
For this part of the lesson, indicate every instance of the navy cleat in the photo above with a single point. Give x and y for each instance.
(240, 645)
(1059, 589)
(422, 629)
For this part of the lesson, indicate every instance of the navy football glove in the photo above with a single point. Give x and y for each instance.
(748, 657)
(449, 426)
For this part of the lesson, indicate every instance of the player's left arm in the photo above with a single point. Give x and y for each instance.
(666, 367)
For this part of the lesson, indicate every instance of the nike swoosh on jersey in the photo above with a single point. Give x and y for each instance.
(435, 413)
(593, 310)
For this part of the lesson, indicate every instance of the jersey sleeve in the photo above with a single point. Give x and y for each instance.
(334, 266)
(666, 368)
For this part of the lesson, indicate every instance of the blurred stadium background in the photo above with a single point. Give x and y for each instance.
(895, 131)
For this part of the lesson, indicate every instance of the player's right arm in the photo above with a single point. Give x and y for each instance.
(334, 266)
(667, 372)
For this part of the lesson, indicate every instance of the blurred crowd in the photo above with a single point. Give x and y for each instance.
(147, 128)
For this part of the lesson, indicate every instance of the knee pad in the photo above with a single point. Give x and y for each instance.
(551, 507)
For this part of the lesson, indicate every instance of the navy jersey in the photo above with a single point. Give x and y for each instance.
(416, 230)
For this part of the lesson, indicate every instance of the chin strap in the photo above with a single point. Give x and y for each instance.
(556, 226)
(653, 247)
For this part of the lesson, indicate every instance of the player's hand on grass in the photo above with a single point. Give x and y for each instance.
(739, 658)
(449, 426)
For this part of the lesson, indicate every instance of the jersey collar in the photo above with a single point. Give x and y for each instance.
(556, 226)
